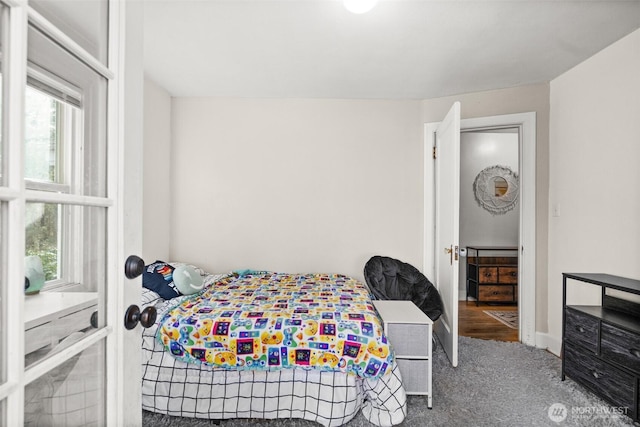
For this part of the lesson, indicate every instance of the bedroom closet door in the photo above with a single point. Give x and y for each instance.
(69, 215)
(447, 212)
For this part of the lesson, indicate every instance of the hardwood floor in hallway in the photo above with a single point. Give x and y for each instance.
(472, 322)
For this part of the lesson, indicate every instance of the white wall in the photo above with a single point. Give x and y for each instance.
(363, 156)
(479, 227)
(479, 150)
(594, 174)
(352, 169)
(157, 166)
(229, 154)
(296, 185)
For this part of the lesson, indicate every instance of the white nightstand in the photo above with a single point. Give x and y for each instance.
(409, 330)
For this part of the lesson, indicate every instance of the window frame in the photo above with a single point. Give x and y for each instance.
(69, 170)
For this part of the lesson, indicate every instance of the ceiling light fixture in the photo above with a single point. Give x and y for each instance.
(359, 6)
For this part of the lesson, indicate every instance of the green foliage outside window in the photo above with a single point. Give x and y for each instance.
(42, 237)
(41, 164)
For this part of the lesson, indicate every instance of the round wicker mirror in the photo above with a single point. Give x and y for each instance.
(496, 189)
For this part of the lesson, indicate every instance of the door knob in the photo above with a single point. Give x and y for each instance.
(450, 252)
(133, 267)
(133, 315)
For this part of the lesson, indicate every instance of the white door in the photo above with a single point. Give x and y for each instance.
(65, 206)
(447, 202)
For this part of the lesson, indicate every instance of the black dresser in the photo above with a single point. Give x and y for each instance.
(601, 344)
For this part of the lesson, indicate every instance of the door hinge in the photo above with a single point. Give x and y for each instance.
(434, 152)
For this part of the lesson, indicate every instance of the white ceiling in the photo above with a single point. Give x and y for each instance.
(402, 49)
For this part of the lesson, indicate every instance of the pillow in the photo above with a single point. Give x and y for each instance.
(158, 277)
(198, 270)
(187, 279)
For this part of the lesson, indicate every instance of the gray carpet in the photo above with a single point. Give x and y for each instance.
(495, 384)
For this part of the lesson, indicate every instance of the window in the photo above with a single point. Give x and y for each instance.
(48, 167)
(65, 165)
(42, 137)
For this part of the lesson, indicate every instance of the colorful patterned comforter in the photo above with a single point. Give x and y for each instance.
(272, 321)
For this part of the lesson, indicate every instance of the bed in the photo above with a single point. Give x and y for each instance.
(185, 380)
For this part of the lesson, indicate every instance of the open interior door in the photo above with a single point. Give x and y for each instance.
(447, 209)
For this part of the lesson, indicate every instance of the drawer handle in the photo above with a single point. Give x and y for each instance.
(580, 329)
(635, 352)
(596, 374)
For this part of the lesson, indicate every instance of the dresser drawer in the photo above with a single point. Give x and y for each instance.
(609, 382)
(409, 339)
(582, 329)
(414, 375)
(488, 274)
(620, 346)
(496, 293)
(508, 275)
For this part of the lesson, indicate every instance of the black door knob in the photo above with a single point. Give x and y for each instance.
(133, 267)
(133, 315)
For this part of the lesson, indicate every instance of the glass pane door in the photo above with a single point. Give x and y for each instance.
(3, 259)
(61, 216)
(74, 272)
(3, 312)
(72, 394)
(66, 212)
(3, 63)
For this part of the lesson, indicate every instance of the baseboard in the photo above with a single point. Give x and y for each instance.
(546, 341)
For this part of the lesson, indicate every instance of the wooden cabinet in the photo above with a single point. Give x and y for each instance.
(601, 344)
(492, 274)
(409, 331)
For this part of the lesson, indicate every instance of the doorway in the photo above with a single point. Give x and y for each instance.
(489, 234)
(526, 124)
